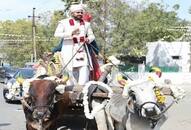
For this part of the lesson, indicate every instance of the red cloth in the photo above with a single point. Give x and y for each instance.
(71, 21)
(87, 17)
(96, 72)
(75, 40)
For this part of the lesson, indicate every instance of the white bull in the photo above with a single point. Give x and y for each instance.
(138, 111)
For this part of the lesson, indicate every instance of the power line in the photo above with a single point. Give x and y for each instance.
(14, 35)
(23, 40)
(23, 36)
(8, 40)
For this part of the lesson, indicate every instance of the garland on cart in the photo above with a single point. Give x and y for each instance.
(88, 114)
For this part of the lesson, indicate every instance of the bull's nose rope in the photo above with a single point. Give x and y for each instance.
(88, 114)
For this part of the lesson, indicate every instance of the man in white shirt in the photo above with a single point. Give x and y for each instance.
(76, 33)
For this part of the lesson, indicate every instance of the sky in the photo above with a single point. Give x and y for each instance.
(183, 11)
(19, 9)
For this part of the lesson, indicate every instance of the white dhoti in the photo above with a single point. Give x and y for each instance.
(75, 53)
(75, 62)
(81, 74)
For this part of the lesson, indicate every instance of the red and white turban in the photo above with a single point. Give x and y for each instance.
(76, 8)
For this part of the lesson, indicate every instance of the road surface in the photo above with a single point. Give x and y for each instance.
(11, 115)
(179, 116)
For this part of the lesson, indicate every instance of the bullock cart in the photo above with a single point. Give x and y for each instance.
(44, 106)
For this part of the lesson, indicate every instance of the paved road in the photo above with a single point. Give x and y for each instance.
(12, 117)
(180, 114)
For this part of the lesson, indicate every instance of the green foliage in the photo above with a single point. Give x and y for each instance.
(15, 50)
(126, 30)
(18, 47)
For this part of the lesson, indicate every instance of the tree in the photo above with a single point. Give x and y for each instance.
(47, 30)
(130, 28)
(17, 38)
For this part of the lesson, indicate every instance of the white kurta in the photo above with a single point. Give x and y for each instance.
(64, 30)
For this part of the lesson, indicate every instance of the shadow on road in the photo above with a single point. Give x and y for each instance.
(14, 102)
(76, 122)
(4, 124)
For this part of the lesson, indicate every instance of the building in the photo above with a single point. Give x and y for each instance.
(169, 55)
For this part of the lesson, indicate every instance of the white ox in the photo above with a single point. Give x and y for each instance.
(138, 111)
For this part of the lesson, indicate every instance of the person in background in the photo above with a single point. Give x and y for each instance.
(155, 75)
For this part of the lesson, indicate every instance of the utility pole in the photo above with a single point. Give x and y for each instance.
(34, 34)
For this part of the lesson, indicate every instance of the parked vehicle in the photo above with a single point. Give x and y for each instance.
(29, 64)
(13, 89)
(9, 73)
(6, 73)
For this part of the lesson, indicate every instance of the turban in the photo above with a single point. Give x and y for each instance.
(76, 7)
